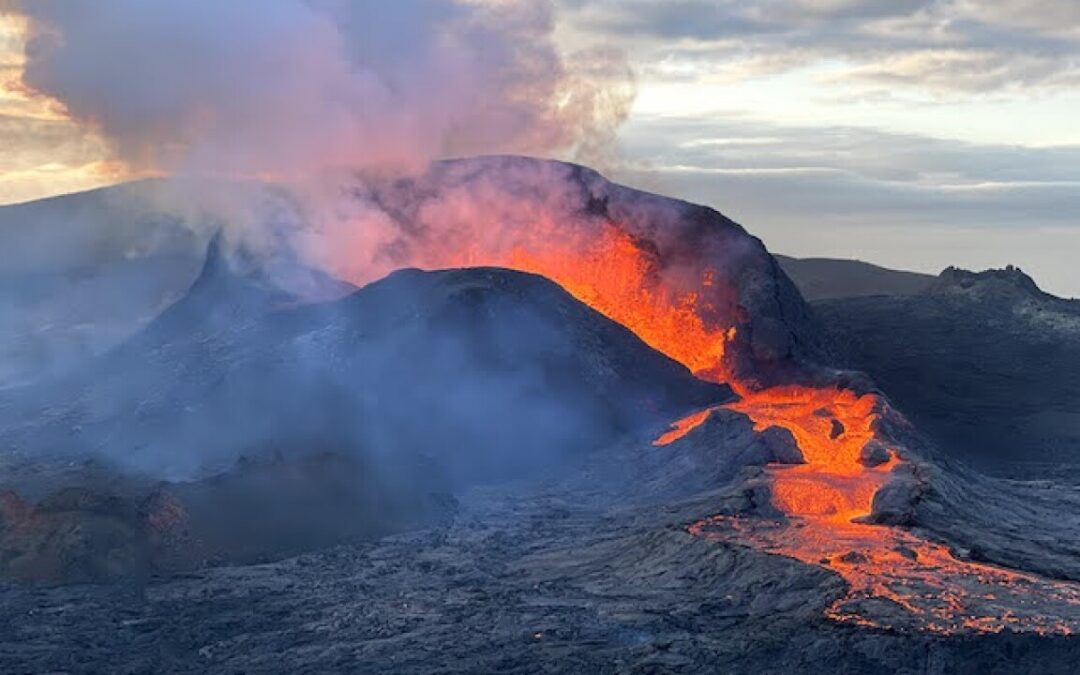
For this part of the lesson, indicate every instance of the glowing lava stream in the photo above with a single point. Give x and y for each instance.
(914, 583)
(895, 579)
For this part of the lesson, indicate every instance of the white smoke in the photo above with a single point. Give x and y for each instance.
(284, 88)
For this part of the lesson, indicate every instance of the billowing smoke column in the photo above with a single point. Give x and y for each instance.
(283, 88)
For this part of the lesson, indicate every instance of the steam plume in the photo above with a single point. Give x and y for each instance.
(279, 88)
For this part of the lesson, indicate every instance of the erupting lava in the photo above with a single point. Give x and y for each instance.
(682, 427)
(612, 273)
(611, 277)
(687, 315)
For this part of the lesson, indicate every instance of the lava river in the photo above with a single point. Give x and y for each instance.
(895, 579)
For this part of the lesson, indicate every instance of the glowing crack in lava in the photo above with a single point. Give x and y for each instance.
(908, 581)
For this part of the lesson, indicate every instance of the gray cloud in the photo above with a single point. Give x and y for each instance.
(693, 19)
(291, 86)
(944, 46)
(735, 144)
(711, 19)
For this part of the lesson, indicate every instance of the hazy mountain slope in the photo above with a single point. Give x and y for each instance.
(454, 363)
(828, 278)
(80, 272)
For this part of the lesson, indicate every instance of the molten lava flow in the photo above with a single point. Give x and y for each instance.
(687, 315)
(909, 582)
(682, 427)
(612, 274)
(831, 427)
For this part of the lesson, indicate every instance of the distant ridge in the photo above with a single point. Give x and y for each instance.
(832, 278)
(1009, 284)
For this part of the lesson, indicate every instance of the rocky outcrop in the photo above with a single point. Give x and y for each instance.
(896, 501)
(1008, 284)
(74, 535)
(257, 511)
(722, 448)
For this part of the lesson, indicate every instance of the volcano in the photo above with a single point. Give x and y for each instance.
(655, 453)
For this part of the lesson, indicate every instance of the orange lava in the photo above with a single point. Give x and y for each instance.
(910, 583)
(682, 427)
(612, 274)
(831, 427)
(681, 314)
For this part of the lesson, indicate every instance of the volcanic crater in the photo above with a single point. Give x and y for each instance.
(551, 415)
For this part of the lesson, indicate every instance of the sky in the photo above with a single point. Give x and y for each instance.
(910, 133)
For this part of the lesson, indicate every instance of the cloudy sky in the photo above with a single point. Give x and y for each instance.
(910, 133)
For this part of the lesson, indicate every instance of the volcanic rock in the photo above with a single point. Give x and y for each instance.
(599, 584)
(895, 502)
(76, 535)
(256, 512)
(1005, 285)
(874, 453)
(852, 557)
(837, 429)
(711, 456)
(269, 510)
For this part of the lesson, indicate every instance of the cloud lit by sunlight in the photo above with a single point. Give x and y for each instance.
(45, 153)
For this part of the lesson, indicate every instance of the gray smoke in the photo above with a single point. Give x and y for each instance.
(283, 88)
